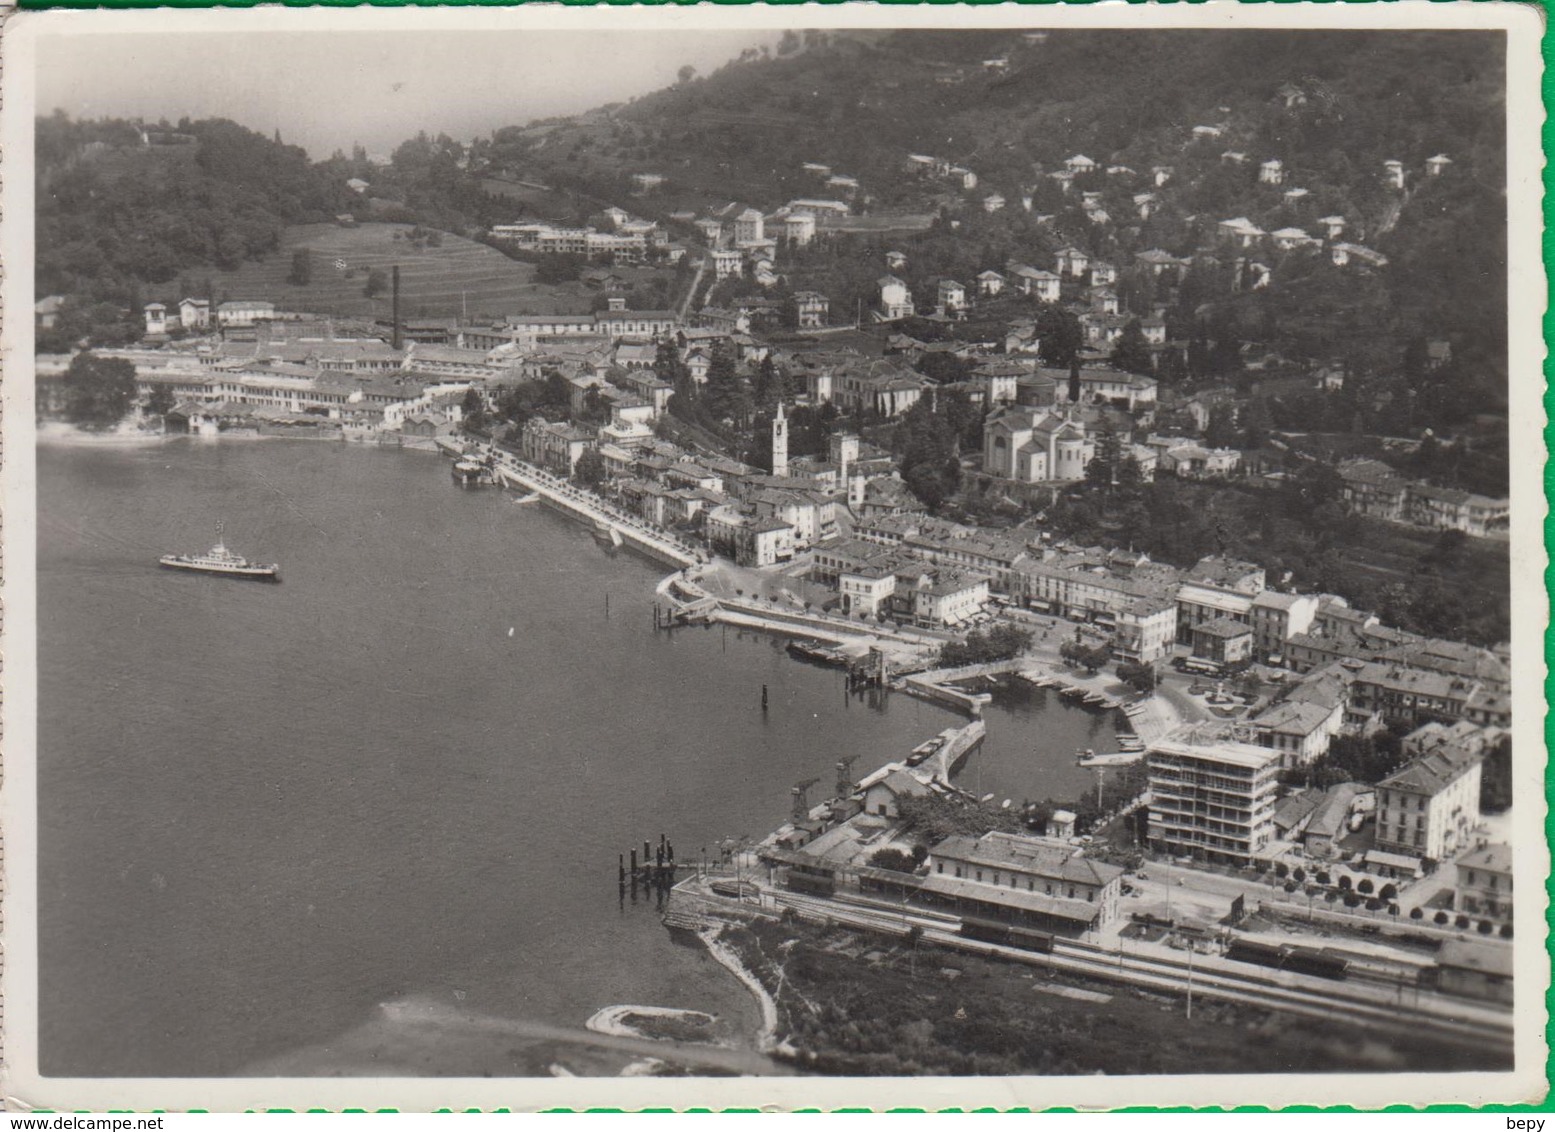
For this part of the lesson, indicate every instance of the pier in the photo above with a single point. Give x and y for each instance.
(954, 746)
(938, 685)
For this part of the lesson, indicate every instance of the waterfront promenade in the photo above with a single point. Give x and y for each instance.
(657, 544)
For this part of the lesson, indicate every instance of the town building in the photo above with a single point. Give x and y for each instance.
(1241, 232)
(811, 309)
(1041, 285)
(557, 446)
(1471, 969)
(933, 598)
(1343, 254)
(1212, 798)
(799, 228)
(1430, 806)
(750, 539)
(895, 299)
(1128, 594)
(1073, 262)
(951, 298)
(156, 320)
(194, 314)
(1277, 617)
(749, 227)
(1216, 588)
(1484, 883)
(1161, 264)
(989, 283)
(727, 262)
(1036, 446)
(1397, 693)
(1024, 880)
(244, 312)
(1223, 641)
(1301, 729)
(882, 795)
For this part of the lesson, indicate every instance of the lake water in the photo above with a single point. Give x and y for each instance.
(404, 773)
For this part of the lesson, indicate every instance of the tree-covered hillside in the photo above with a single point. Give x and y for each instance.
(121, 206)
(1333, 107)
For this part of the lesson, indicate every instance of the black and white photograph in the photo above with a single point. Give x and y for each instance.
(718, 556)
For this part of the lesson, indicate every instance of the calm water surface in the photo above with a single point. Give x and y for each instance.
(264, 810)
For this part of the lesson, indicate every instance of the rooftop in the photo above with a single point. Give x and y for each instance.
(1028, 855)
(1199, 744)
(1433, 771)
(1491, 858)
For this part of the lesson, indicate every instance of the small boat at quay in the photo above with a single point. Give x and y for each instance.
(219, 560)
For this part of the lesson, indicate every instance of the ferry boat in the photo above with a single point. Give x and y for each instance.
(219, 560)
(608, 537)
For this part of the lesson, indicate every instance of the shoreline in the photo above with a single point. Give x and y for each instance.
(62, 434)
(729, 959)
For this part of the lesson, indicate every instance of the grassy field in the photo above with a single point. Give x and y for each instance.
(434, 282)
(459, 277)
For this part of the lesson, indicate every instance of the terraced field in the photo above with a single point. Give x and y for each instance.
(434, 282)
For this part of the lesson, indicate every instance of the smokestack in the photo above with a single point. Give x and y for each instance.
(395, 341)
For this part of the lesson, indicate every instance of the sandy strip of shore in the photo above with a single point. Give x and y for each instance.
(612, 1019)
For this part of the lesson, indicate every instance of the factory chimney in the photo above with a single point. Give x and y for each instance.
(395, 341)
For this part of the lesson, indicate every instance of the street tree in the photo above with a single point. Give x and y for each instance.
(1140, 677)
(160, 402)
(590, 469)
(1220, 430)
(1059, 335)
(893, 859)
(1132, 352)
(472, 410)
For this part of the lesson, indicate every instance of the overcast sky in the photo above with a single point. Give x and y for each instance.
(329, 90)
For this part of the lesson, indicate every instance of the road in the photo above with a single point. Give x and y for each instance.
(696, 281)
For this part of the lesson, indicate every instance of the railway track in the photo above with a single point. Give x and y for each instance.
(1271, 990)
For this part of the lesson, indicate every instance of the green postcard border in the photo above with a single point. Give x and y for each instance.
(1546, 9)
